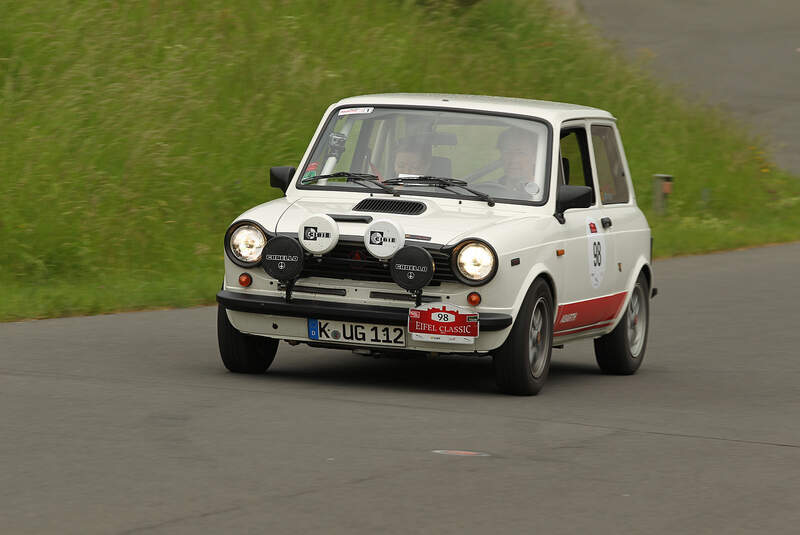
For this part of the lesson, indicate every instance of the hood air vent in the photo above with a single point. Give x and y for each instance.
(390, 206)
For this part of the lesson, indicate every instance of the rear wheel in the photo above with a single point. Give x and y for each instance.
(522, 363)
(243, 353)
(621, 351)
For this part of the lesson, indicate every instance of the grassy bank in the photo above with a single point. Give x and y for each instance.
(134, 132)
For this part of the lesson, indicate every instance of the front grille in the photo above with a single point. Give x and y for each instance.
(390, 206)
(352, 261)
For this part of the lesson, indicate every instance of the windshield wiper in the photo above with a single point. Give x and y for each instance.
(442, 182)
(361, 178)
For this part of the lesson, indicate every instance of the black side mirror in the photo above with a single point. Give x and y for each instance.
(572, 197)
(279, 177)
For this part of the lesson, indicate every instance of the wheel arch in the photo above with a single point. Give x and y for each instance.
(642, 266)
(552, 284)
(648, 274)
(538, 271)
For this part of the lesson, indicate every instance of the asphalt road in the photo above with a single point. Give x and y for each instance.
(129, 424)
(741, 55)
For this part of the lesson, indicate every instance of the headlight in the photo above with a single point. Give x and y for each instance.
(246, 244)
(475, 262)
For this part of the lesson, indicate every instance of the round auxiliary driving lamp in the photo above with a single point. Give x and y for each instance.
(412, 269)
(283, 260)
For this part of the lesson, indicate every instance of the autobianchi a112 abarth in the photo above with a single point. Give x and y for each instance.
(446, 224)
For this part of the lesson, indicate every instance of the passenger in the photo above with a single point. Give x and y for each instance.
(413, 157)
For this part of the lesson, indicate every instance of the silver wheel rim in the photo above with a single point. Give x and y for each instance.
(637, 321)
(538, 338)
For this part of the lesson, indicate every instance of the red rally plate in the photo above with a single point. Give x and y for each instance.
(439, 322)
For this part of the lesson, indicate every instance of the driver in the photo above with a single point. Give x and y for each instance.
(518, 155)
(414, 155)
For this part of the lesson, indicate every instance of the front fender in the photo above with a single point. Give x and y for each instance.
(526, 250)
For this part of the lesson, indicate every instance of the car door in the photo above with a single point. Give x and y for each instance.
(619, 215)
(586, 296)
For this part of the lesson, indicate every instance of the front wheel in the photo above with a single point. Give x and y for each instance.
(522, 363)
(243, 353)
(621, 351)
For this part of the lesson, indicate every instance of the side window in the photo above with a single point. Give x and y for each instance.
(575, 168)
(610, 172)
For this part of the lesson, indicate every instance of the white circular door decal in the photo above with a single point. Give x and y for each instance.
(597, 251)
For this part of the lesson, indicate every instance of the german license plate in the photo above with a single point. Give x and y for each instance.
(438, 322)
(349, 332)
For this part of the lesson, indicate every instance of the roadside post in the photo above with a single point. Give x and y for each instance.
(662, 189)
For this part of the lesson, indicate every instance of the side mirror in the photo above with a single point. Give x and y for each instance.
(572, 197)
(279, 177)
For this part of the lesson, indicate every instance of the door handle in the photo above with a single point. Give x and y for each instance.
(606, 221)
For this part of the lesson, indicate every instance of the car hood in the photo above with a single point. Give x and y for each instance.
(444, 221)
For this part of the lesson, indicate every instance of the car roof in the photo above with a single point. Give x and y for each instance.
(555, 112)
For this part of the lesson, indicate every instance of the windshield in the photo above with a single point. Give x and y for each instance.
(504, 157)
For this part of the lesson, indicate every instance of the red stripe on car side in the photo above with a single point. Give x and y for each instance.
(589, 312)
(589, 328)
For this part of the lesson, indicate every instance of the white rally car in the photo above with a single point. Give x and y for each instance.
(446, 224)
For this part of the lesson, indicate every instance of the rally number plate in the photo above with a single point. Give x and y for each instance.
(348, 332)
(438, 322)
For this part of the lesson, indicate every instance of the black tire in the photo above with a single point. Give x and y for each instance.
(520, 367)
(243, 353)
(621, 351)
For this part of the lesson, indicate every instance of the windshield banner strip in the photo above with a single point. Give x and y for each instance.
(354, 111)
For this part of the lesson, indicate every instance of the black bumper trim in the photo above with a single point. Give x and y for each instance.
(299, 288)
(304, 308)
(403, 297)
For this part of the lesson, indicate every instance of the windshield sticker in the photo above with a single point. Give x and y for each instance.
(532, 188)
(354, 111)
(311, 170)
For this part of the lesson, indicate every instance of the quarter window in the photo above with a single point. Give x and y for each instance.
(610, 172)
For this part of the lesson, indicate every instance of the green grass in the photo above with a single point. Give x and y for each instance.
(132, 133)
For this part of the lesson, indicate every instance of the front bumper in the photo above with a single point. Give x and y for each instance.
(306, 308)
